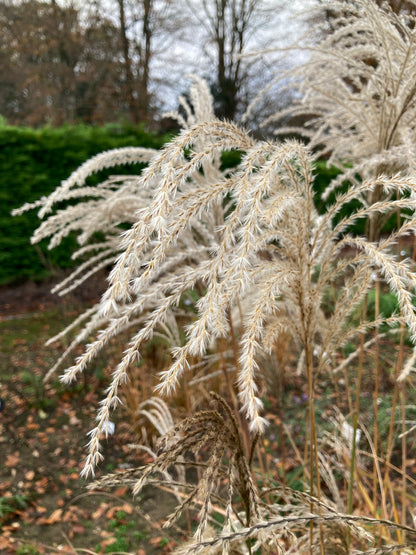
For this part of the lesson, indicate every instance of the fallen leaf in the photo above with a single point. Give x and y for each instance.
(4, 543)
(126, 508)
(111, 512)
(106, 534)
(12, 461)
(71, 515)
(55, 517)
(78, 529)
(98, 513)
(8, 530)
(121, 491)
(40, 509)
(5, 485)
(108, 541)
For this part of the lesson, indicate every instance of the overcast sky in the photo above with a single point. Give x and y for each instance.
(187, 51)
(287, 24)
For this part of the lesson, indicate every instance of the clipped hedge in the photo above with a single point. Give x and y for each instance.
(32, 163)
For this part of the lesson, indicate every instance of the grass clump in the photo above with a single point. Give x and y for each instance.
(278, 291)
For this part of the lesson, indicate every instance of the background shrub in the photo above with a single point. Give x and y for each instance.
(32, 164)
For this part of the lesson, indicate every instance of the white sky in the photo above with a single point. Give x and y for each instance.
(184, 55)
(285, 27)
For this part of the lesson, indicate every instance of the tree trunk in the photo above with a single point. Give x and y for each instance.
(146, 52)
(127, 64)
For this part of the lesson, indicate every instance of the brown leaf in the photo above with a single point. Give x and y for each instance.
(41, 484)
(126, 508)
(40, 509)
(56, 516)
(106, 534)
(8, 530)
(121, 491)
(98, 513)
(5, 485)
(70, 515)
(108, 541)
(12, 460)
(4, 543)
(78, 529)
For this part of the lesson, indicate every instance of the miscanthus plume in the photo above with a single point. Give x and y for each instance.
(247, 238)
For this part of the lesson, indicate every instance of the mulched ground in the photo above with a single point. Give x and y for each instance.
(29, 297)
(44, 505)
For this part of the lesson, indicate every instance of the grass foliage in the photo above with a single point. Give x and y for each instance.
(243, 277)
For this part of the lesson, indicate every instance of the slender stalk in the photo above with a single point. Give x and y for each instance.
(387, 482)
(313, 445)
(230, 388)
(355, 427)
(280, 390)
(399, 365)
(376, 394)
(404, 457)
(311, 416)
(403, 412)
(347, 389)
(354, 438)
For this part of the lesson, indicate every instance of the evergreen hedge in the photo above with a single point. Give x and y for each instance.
(32, 163)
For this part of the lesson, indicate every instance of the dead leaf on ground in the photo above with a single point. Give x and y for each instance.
(56, 516)
(121, 491)
(98, 513)
(12, 460)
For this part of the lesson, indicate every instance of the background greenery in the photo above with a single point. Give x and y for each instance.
(32, 163)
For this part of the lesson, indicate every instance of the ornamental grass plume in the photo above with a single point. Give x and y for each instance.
(211, 441)
(356, 97)
(250, 235)
(248, 240)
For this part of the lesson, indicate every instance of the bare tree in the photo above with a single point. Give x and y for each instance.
(145, 51)
(128, 73)
(98, 60)
(43, 42)
(56, 68)
(147, 28)
(230, 25)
